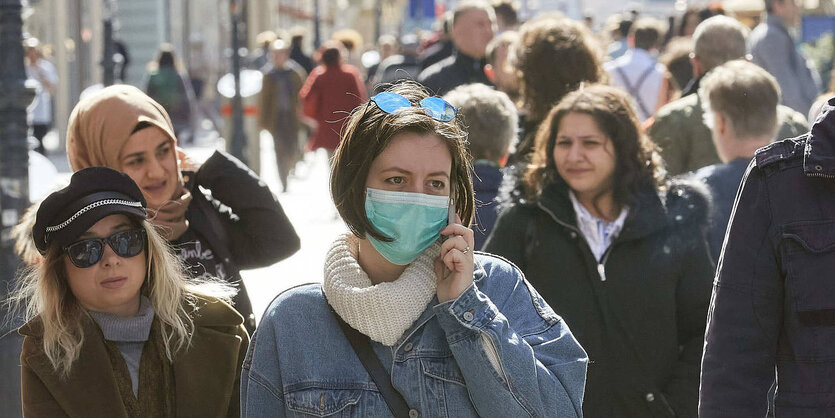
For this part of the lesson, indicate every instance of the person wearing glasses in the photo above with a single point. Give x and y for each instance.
(219, 216)
(409, 321)
(114, 326)
(618, 251)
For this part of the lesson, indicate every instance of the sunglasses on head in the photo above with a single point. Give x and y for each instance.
(88, 252)
(436, 107)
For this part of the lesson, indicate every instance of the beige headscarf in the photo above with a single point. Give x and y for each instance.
(101, 124)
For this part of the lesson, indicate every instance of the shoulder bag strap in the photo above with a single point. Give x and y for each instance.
(362, 347)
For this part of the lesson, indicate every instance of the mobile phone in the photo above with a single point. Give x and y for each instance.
(451, 215)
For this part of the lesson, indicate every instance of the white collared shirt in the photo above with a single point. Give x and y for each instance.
(598, 233)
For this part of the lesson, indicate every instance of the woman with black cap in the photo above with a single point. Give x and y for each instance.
(219, 217)
(114, 327)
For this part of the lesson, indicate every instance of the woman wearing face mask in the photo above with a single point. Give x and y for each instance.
(619, 254)
(220, 217)
(114, 327)
(405, 303)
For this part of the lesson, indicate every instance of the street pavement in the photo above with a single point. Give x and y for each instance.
(307, 204)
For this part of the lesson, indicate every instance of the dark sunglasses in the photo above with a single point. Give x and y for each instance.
(436, 107)
(88, 252)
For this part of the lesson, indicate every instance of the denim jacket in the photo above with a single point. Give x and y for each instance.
(496, 350)
(773, 301)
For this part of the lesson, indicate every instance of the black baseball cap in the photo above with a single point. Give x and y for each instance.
(93, 193)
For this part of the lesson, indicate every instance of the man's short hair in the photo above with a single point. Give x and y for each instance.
(508, 10)
(718, 40)
(646, 32)
(506, 39)
(466, 6)
(745, 95)
(490, 117)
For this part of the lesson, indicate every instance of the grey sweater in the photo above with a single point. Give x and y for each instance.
(129, 334)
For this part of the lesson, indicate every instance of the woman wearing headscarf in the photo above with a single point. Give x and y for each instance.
(220, 217)
(114, 326)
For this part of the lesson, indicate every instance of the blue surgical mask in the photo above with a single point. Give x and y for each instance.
(414, 220)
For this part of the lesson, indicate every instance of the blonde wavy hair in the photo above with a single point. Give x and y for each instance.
(42, 291)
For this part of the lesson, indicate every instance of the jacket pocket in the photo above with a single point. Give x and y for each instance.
(810, 261)
(444, 385)
(326, 401)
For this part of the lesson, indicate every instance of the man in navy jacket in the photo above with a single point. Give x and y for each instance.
(773, 306)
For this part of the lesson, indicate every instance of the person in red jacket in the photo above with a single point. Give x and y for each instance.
(330, 93)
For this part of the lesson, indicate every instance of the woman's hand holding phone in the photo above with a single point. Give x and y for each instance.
(454, 267)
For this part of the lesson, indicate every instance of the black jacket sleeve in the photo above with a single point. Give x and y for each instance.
(746, 310)
(688, 205)
(508, 236)
(257, 229)
(692, 300)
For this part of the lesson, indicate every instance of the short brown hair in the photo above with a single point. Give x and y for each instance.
(745, 94)
(638, 165)
(505, 39)
(646, 32)
(508, 10)
(369, 131)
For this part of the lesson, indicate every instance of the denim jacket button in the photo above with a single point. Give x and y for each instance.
(468, 316)
(413, 413)
(407, 347)
(650, 397)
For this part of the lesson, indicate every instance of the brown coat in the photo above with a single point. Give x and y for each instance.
(206, 376)
(271, 90)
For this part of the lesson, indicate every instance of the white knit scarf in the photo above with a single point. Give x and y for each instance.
(383, 311)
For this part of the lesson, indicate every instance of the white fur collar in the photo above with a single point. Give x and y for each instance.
(384, 311)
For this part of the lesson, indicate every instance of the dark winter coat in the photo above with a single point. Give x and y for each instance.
(774, 300)
(453, 71)
(640, 312)
(242, 221)
(486, 182)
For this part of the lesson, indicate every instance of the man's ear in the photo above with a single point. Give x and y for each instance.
(490, 72)
(697, 66)
(720, 124)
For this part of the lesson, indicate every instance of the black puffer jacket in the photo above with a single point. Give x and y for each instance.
(242, 221)
(639, 313)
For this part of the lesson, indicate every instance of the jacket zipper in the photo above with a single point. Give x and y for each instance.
(826, 176)
(601, 265)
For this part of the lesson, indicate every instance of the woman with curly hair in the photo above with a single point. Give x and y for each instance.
(554, 57)
(619, 253)
(114, 326)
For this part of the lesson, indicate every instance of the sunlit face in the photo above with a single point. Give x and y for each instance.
(111, 285)
(472, 31)
(412, 163)
(149, 159)
(584, 155)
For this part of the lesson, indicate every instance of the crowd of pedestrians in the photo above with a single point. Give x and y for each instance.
(541, 221)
